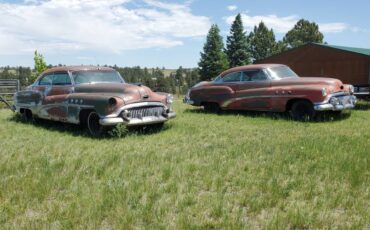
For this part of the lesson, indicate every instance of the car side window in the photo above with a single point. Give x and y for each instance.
(232, 77)
(46, 79)
(61, 78)
(254, 75)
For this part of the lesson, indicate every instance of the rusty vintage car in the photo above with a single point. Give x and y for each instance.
(96, 97)
(272, 87)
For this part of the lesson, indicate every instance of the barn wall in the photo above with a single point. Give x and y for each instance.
(318, 61)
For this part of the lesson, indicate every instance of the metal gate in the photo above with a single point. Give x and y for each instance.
(8, 87)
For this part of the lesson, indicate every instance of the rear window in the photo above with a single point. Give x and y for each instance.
(280, 72)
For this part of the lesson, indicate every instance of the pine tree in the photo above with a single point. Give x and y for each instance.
(280, 47)
(213, 60)
(262, 42)
(179, 76)
(237, 44)
(302, 33)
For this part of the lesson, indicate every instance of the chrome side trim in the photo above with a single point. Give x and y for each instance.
(232, 100)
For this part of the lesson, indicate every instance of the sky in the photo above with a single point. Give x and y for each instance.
(157, 33)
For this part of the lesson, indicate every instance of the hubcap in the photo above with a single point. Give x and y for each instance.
(93, 124)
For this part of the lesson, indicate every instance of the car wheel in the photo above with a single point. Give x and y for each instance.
(27, 116)
(211, 107)
(302, 111)
(93, 125)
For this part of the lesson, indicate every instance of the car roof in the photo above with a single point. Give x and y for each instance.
(78, 68)
(248, 67)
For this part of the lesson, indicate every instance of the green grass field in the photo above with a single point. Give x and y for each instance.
(202, 171)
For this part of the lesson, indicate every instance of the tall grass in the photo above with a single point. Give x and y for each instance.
(232, 171)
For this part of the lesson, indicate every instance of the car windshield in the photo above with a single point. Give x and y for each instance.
(218, 79)
(83, 77)
(280, 72)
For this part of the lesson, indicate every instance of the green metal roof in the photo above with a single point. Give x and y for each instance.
(349, 49)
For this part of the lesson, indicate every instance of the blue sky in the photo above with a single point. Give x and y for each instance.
(159, 33)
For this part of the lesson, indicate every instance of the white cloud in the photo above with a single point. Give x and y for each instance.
(64, 25)
(335, 27)
(283, 24)
(232, 7)
(356, 29)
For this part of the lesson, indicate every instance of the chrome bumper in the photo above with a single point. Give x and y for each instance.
(112, 121)
(188, 101)
(118, 117)
(337, 103)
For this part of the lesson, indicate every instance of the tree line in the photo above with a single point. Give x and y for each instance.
(176, 83)
(242, 48)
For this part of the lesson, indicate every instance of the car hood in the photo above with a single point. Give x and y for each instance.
(313, 81)
(128, 92)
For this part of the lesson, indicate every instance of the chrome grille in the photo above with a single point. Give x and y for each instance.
(145, 112)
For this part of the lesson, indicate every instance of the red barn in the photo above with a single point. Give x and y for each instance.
(351, 65)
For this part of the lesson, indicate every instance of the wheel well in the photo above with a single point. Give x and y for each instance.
(26, 114)
(83, 115)
(290, 103)
(23, 111)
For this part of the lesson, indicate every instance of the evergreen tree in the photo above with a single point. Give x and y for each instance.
(179, 76)
(280, 46)
(213, 60)
(302, 33)
(237, 44)
(192, 78)
(262, 42)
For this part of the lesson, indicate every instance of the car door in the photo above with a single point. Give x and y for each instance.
(57, 97)
(253, 91)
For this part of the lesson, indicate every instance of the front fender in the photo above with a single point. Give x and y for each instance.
(101, 103)
(29, 99)
(216, 94)
(283, 95)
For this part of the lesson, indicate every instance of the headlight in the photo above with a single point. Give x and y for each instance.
(351, 89)
(169, 99)
(324, 92)
(187, 94)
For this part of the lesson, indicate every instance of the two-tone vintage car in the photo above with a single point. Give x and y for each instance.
(271, 87)
(96, 97)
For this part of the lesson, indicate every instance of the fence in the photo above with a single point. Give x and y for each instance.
(8, 88)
